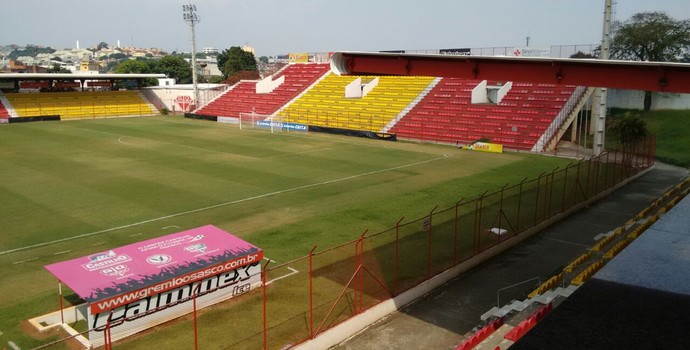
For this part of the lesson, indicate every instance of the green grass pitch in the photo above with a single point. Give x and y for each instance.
(69, 189)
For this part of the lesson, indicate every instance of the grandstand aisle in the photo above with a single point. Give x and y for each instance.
(439, 320)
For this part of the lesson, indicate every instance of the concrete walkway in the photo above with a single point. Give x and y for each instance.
(440, 319)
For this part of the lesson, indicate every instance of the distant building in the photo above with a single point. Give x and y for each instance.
(89, 66)
(19, 67)
(209, 50)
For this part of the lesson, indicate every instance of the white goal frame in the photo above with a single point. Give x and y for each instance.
(252, 121)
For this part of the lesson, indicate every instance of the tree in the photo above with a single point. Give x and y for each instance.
(29, 50)
(650, 36)
(263, 59)
(57, 69)
(101, 45)
(133, 66)
(581, 54)
(174, 67)
(233, 60)
(117, 56)
(630, 129)
(241, 75)
(138, 67)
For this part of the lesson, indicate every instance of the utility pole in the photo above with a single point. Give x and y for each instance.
(600, 117)
(189, 15)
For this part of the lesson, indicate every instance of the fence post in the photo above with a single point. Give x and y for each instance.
(361, 272)
(311, 294)
(395, 272)
(536, 199)
(263, 287)
(195, 292)
(428, 257)
(500, 208)
(478, 221)
(455, 233)
(565, 184)
(62, 315)
(519, 205)
(606, 172)
(550, 194)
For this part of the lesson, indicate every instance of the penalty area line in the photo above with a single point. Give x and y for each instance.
(23, 261)
(219, 205)
(292, 272)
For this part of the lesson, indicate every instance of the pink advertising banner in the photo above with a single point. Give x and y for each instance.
(155, 265)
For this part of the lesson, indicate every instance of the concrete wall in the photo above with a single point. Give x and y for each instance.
(633, 99)
(479, 94)
(173, 99)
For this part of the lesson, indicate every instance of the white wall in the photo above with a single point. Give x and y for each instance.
(503, 91)
(267, 85)
(370, 86)
(173, 99)
(633, 99)
(354, 89)
(479, 93)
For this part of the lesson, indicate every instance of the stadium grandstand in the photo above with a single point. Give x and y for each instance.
(43, 96)
(458, 111)
(520, 116)
(266, 96)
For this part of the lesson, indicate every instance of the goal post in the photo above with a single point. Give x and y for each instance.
(272, 123)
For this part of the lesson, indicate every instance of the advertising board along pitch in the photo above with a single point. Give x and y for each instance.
(148, 282)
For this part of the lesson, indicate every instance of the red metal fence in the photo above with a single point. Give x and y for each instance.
(303, 298)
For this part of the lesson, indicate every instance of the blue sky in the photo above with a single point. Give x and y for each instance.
(281, 26)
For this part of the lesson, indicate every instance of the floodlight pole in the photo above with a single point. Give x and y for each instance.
(601, 95)
(190, 16)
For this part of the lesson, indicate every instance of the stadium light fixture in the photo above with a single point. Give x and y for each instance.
(192, 18)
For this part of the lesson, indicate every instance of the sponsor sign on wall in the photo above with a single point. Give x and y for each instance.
(228, 120)
(485, 147)
(4, 121)
(532, 52)
(137, 286)
(280, 125)
(298, 57)
(138, 315)
(456, 52)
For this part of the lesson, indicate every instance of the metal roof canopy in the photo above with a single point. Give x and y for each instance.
(68, 76)
(648, 76)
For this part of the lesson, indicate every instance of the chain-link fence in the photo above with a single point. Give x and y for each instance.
(300, 299)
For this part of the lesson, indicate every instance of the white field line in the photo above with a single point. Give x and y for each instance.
(23, 261)
(237, 201)
(294, 271)
(99, 243)
(171, 226)
(137, 234)
(124, 143)
(13, 345)
(63, 252)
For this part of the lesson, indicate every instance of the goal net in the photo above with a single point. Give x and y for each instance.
(272, 123)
